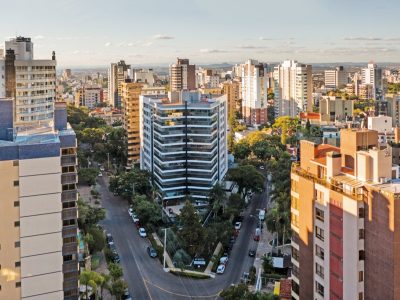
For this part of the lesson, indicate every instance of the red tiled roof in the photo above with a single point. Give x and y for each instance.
(309, 115)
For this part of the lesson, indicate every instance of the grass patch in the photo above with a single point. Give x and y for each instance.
(95, 261)
(159, 249)
(190, 275)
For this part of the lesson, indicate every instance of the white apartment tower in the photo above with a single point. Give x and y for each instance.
(117, 73)
(335, 79)
(372, 75)
(183, 143)
(31, 83)
(293, 81)
(255, 83)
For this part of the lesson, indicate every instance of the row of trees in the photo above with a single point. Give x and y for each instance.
(241, 291)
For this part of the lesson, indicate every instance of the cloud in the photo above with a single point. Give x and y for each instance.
(363, 39)
(261, 38)
(108, 44)
(250, 47)
(39, 37)
(147, 44)
(76, 52)
(162, 37)
(206, 50)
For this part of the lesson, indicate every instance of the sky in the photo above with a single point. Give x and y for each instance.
(154, 32)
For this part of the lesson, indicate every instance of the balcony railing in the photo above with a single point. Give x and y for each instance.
(70, 231)
(68, 160)
(71, 195)
(69, 178)
(69, 213)
(70, 266)
(70, 248)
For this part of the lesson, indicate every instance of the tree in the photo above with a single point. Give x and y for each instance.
(118, 288)
(287, 127)
(89, 216)
(91, 136)
(137, 180)
(115, 271)
(267, 264)
(235, 204)
(247, 178)
(97, 241)
(241, 149)
(149, 212)
(92, 279)
(104, 283)
(235, 292)
(88, 175)
(192, 233)
(217, 197)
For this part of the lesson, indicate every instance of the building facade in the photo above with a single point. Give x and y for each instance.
(232, 90)
(88, 96)
(117, 73)
(254, 92)
(332, 109)
(293, 81)
(372, 75)
(335, 79)
(38, 208)
(344, 203)
(182, 76)
(30, 82)
(183, 141)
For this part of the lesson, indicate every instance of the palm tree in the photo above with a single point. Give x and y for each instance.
(104, 283)
(217, 198)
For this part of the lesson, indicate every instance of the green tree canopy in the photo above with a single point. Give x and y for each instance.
(247, 178)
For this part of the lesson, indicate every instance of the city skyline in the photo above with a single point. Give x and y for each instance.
(156, 32)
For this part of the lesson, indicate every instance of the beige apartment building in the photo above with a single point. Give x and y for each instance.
(130, 92)
(182, 75)
(344, 207)
(38, 209)
(232, 90)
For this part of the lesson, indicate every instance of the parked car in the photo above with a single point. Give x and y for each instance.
(109, 239)
(245, 277)
(221, 269)
(238, 225)
(100, 174)
(199, 262)
(224, 259)
(152, 252)
(130, 211)
(126, 295)
(142, 232)
(262, 167)
(135, 218)
(256, 237)
(102, 169)
(252, 253)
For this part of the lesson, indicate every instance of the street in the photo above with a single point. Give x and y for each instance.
(145, 276)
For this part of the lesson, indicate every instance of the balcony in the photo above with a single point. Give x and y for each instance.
(70, 266)
(68, 160)
(69, 213)
(71, 248)
(71, 195)
(69, 178)
(70, 231)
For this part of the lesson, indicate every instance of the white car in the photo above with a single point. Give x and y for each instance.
(130, 212)
(262, 167)
(142, 232)
(224, 259)
(102, 169)
(221, 269)
(100, 175)
(238, 225)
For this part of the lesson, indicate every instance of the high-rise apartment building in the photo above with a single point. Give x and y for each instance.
(183, 143)
(372, 75)
(293, 81)
(88, 96)
(232, 90)
(117, 73)
(30, 82)
(145, 76)
(344, 212)
(130, 93)
(38, 208)
(333, 109)
(335, 79)
(254, 92)
(182, 75)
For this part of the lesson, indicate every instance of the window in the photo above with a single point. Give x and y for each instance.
(16, 182)
(319, 270)
(69, 222)
(16, 224)
(295, 220)
(319, 288)
(295, 254)
(361, 255)
(69, 204)
(361, 212)
(319, 251)
(319, 233)
(18, 284)
(360, 296)
(319, 214)
(294, 203)
(17, 244)
(67, 257)
(319, 196)
(295, 185)
(360, 276)
(15, 163)
(16, 203)
(361, 234)
(17, 264)
(69, 240)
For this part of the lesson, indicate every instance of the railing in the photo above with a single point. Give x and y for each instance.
(69, 213)
(70, 248)
(69, 178)
(71, 266)
(71, 195)
(70, 231)
(335, 185)
(68, 160)
(71, 283)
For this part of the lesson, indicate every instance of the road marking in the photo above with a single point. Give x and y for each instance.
(182, 295)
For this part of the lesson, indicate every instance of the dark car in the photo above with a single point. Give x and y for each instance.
(109, 239)
(126, 295)
(252, 253)
(152, 252)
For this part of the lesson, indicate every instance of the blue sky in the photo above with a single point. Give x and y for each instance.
(94, 33)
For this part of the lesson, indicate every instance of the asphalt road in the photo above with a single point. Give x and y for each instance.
(145, 276)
